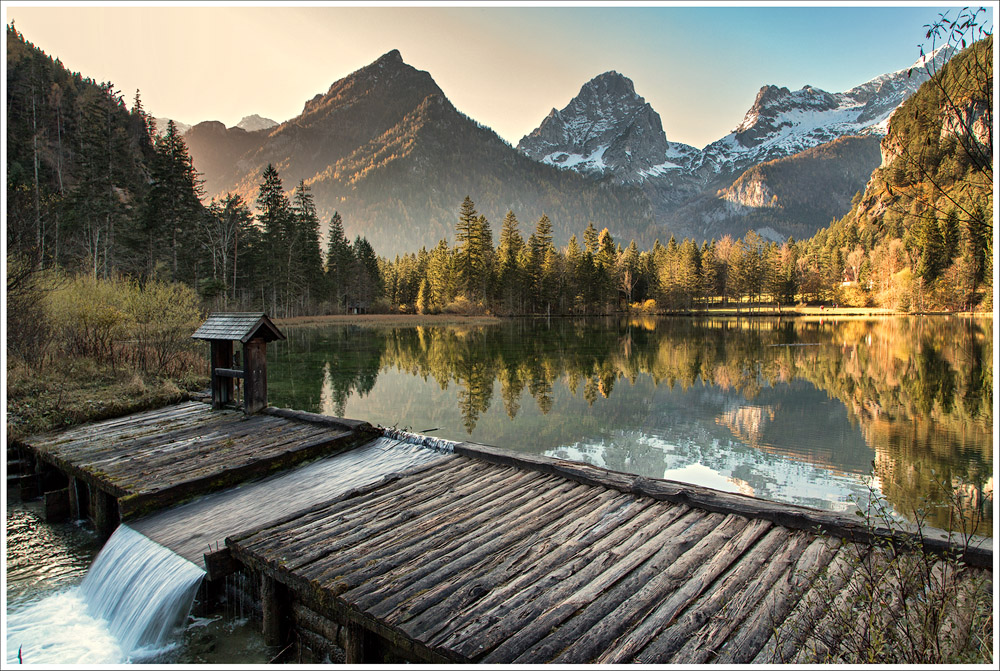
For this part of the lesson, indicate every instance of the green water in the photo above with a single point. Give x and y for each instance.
(817, 412)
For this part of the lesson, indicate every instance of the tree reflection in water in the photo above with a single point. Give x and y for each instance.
(913, 395)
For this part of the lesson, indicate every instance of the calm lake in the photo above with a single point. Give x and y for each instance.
(812, 411)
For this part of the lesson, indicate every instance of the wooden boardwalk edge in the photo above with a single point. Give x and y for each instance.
(137, 505)
(979, 552)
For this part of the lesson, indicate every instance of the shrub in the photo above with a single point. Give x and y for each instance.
(88, 316)
(29, 332)
(894, 601)
(161, 317)
(118, 320)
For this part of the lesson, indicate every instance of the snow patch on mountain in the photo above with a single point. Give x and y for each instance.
(609, 131)
(255, 122)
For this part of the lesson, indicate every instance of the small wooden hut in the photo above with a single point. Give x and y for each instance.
(254, 330)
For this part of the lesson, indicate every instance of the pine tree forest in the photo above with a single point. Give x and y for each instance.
(94, 188)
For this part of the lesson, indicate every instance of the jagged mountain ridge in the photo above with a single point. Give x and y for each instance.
(386, 149)
(684, 183)
(606, 129)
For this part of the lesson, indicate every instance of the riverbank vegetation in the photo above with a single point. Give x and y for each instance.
(81, 349)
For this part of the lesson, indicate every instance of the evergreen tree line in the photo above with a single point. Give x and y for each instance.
(94, 188)
(532, 276)
(272, 261)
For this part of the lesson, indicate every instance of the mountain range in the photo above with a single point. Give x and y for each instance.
(386, 149)
(610, 133)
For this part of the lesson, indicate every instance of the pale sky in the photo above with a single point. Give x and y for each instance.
(505, 66)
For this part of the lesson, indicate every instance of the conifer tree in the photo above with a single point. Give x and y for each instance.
(510, 264)
(339, 262)
(305, 266)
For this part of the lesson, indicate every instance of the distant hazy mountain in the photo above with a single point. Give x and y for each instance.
(161, 125)
(791, 196)
(387, 149)
(256, 122)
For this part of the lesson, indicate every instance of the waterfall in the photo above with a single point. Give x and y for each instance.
(132, 599)
(143, 590)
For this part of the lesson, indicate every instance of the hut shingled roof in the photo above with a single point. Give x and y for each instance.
(240, 326)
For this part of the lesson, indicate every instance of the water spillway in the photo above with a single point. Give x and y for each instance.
(131, 602)
(200, 526)
(143, 590)
(141, 586)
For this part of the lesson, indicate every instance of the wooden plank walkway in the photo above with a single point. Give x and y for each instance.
(153, 459)
(498, 558)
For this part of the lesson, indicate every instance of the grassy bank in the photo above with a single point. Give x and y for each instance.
(83, 390)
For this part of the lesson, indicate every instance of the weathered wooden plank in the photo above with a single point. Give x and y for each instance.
(786, 640)
(453, 549)
(687, 590)
(519, 640)
(366, 511)
(194, 459)
(393, 525)
(98, 438)
(748, 641)
(353, 520)
(181, 412)
(556, 569)
(444, 603)
(247, 538)
(615, 611)
(426, 613)
(443, 544)
(704, 628)
(306, 618)
(979, 553)
(824, 640)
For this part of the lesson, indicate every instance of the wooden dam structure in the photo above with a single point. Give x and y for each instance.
(484, 555)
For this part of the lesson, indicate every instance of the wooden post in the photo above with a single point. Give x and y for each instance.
(74, 500)
(57, 505)
(222, 387)
(105, 512)
(361, 646)
(273, 598)
(254, 375)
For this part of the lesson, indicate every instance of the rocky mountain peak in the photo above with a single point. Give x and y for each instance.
(606, 129)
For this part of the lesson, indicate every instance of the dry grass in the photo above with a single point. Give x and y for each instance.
(67, 392)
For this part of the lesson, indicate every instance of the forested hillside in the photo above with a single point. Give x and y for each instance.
(386, 149)
(84, 176)
(920, 236)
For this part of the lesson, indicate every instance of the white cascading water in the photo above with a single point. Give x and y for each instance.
(142, 589)
(132, 599)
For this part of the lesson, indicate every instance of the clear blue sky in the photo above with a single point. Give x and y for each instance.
(506, 67)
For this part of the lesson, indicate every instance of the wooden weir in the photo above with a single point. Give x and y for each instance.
(133, 465)
(484, 556)
(494, 557)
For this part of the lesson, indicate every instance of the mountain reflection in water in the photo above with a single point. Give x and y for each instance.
(807, 411)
